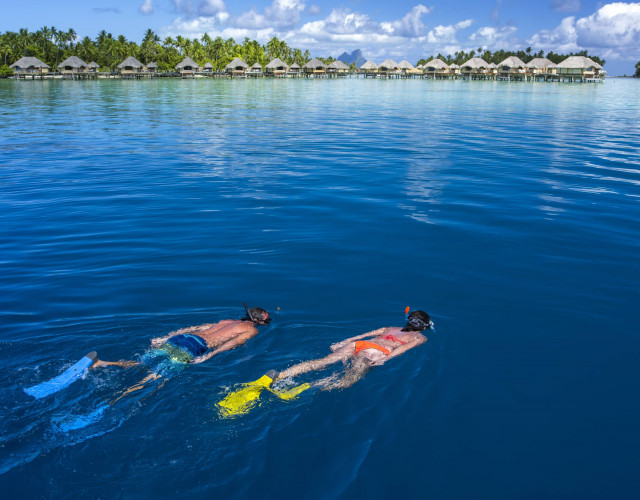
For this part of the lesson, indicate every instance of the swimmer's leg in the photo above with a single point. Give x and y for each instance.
(316, 364)
(98, 363)
(357, 370)
(136, 387)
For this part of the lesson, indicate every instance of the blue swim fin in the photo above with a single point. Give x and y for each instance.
(64, 379)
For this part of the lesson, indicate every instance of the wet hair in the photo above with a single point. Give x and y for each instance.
(418, 321)
(258, 315)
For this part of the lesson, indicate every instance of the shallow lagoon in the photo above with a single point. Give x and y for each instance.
(508, 211)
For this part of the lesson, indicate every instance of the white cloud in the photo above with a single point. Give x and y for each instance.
(280, 14)
(615, 25)
(315, 10)
(498, 38)
(202, 8)
(613, 30)
(410, 25)
(563, 38)
(566, 5)
(147, 7)
(447, 34)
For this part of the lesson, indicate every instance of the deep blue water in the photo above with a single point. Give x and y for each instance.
(508, 211)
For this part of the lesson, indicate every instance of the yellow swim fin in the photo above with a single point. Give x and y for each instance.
(241, 401)
(292, 393)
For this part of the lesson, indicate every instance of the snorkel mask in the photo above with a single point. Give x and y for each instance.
(255, 320)
(417, 321)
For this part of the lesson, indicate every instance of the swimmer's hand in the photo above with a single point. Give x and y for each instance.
(337, 345)
(158, 341)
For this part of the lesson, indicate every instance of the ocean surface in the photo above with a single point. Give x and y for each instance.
(510, 212)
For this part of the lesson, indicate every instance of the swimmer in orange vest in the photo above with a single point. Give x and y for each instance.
(361, 355)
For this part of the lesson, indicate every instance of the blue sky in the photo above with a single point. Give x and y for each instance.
(400, 29)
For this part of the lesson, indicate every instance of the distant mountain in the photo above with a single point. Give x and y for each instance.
(355, 57)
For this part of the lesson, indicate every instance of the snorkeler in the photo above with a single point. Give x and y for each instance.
(200, 343)
(358, 356)
(192, 345)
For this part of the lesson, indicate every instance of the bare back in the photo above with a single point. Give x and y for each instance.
(393, 339)
(216, 334)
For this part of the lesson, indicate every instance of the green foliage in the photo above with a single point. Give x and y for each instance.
(498, 56)
(637, 75)
(52, 46)
(5, 71)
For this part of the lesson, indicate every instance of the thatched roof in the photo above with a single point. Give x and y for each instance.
(256, 65)
(435, 64)
(369, 65)
(454, 66)
(493, 65)
(420, 66)
(512, 62)
(315, 63)
(388, 64)
(237, 63)
(29, 62)
(295, 66)
(187, 62)
(276, 63)
(208, 66)
(73, 62)
(475, 63)
(579, 62)
(405, 65)
(540, 63)
(338, 65)
(130, 62)
(93, 64)
(152, 65)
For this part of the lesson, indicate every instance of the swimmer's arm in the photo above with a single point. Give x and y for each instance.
(409, 345)
(343, 343)
(227, 346)
(161, 340)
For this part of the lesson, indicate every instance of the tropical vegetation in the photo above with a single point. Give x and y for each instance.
(637, 75)
(53, 46)
(498, 56)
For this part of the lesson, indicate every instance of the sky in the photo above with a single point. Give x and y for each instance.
(398, 29)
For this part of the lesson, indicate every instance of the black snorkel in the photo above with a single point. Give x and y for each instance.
(249, 315)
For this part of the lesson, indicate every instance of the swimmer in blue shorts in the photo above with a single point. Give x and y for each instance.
(195, 344)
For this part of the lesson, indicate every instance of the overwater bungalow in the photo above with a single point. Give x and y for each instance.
(369, 69)
(512, 68)
(237, 68)
(405, 67)
(129, 67)
(315, 67)
(387, 68)
(277, 67)
(579, 69)
(474, 69)
(294, 70)
(492, 71)
(72, 65)
(436, 69)
(187, 67)
(540, 69)
(338, 68)
(30, 65)
(207, 68)
(150, 68)
(93, 67)
(454, 70)
(255, 70)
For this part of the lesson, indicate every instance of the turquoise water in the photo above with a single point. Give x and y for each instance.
(508, 211)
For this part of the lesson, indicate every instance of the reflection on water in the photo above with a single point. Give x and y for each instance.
(508, 211)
